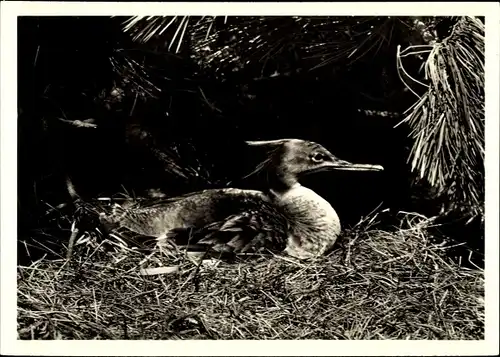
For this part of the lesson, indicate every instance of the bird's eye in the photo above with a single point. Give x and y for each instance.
(318, 157)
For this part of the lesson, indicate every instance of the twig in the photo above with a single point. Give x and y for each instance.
(74, 233)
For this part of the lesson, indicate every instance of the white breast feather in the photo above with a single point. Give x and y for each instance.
(319, 214)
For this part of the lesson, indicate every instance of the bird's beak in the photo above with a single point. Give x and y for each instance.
(338, 164)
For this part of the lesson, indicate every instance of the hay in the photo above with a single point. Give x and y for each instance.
(375, 285)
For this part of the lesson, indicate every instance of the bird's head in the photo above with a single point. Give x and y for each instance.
(293, 158)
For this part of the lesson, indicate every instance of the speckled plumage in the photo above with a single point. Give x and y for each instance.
(289, 217)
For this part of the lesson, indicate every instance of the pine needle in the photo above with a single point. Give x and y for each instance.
(447, 122)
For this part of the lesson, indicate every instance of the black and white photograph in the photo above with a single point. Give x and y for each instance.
(220, 175)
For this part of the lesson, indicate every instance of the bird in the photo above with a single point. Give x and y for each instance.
(285, 217)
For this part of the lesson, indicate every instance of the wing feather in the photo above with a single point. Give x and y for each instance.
(221, 220)
(253, 230)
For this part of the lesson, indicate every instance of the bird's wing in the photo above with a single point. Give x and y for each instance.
(260, 226)
(222, 219)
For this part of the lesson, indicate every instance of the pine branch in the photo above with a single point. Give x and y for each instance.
(448, 119)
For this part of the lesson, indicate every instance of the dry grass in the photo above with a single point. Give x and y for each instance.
(374, 285)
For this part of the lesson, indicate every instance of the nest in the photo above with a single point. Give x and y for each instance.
(374, 285)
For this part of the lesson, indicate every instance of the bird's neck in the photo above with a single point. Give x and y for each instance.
(280, 182)
(303, 205)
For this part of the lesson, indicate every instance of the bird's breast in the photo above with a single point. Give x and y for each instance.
(315, 225)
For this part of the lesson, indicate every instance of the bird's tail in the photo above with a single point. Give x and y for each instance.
(71, 189)
(92, 214)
